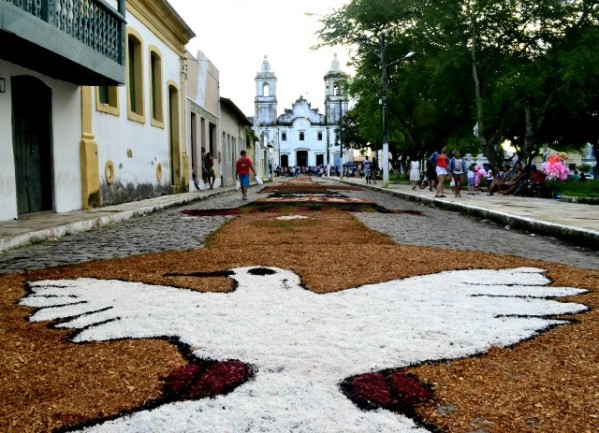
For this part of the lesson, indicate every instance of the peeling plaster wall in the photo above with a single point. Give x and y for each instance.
(138, 151)
(121, 193)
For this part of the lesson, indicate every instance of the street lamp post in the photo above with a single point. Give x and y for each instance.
(384, 66)
(340, 138)
(366, 42)
(279, 147)
(384, 114)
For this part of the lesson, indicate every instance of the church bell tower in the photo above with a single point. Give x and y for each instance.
(335, 99)
(266, 96)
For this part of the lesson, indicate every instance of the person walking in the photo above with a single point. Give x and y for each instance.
(457, 170)
(209, 166)
(414, 173)
(431, 173)
(442, 171)
(374, 170)
(242, 173)
(471, 179)
(366, 166)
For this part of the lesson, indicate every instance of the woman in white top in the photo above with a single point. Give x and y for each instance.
(414, 173)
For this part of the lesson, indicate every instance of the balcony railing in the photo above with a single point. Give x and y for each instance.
(78, 41)
(92, 22)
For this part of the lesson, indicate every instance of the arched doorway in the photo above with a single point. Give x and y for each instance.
(319, 159)
(32, 143)
(302, 158)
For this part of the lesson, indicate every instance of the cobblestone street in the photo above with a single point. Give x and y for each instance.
(170, 230)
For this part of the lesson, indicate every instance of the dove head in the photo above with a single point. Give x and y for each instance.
(265, 277)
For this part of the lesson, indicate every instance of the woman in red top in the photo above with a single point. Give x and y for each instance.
(442, 172)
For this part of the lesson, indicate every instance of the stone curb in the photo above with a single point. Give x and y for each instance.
(89, 221)
(586, 238)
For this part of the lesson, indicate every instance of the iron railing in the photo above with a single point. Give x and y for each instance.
(95, 23)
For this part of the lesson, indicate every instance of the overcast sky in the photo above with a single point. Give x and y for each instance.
(236, 35)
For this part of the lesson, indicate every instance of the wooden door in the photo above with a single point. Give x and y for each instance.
(32, 144)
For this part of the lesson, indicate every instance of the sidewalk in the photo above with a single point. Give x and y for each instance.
(572, 222)
(576, 223)
(42, 226)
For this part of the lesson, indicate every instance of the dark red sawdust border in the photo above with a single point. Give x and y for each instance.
(299, 207)
(298, 188)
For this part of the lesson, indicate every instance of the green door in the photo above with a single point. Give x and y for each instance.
(31, 107)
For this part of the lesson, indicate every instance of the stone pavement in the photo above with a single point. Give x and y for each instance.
(42, 226)
(570, 224)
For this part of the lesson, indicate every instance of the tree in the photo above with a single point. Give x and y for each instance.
(514, 55)
(575, 122)
(419, 116)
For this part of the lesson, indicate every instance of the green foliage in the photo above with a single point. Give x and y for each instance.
(523, 71)
(589, 189)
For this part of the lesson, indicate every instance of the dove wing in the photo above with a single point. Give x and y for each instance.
(446, 315)
(108, 309)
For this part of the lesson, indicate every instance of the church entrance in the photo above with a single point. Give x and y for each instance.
(284, 160)
(302, 158)
(319, 159)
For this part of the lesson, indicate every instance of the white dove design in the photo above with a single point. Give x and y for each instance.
(302, 344)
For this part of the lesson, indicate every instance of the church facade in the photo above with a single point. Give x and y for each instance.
(301, 136)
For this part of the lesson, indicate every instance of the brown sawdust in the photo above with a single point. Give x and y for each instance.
(548, 384)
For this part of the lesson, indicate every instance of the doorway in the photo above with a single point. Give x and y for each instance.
(32, 144)
(302, 158)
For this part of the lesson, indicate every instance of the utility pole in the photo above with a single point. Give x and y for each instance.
(384, 66)
(384, 114)
(340, 137)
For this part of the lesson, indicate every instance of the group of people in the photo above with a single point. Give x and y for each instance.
(243, 167)
(291, 171)
(440, 166)
(370, 169)
(207, 170)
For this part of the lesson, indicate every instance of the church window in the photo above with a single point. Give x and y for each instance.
(319, 135)
(301, 135)
(283, 136)
(336, 91)
(266, 90)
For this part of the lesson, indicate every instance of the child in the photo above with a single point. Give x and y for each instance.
(457, 169)
(471, 179)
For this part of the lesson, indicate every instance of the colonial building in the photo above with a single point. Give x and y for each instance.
(91, 104)
(203, 111)
(215, 123)
(301, 135)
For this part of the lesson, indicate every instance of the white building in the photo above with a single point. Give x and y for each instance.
(300, 136)
(88, 121)
(214, 123)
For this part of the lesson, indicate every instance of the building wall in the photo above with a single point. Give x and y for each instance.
(233, 141)
(140, 152)
(203, 114)
(66, 133)
(301, 135)
(86, 138)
